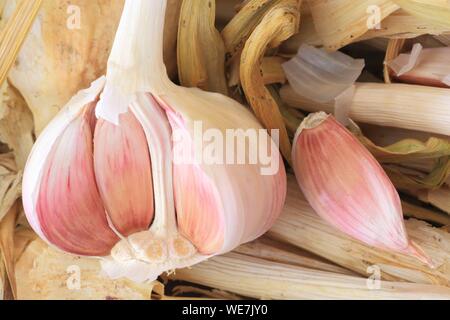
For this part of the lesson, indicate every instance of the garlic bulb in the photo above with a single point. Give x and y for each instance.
(122, 174)
(347, 187)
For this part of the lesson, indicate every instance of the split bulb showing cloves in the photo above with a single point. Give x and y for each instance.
(116, 175)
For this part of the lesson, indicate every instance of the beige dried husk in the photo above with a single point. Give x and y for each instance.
(201, 51)
(44, 273)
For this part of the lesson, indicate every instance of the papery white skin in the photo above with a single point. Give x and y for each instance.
(246, 202)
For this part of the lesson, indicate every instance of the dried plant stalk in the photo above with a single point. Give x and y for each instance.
(201, 51)
(262, 279)
(414, 211)
(404, 106)
(14, 32)
(340, 22)
(299, 225)
(278, 24)
(271, 250)
(440, 198)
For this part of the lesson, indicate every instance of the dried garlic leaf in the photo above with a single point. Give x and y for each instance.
(407, 179)
(340, 22)
(439, 198)
(16, 125)
(278, 24)
(201, 52)
(46, 274)
(421, 213)
(239, 29)
(435, 11)
(7, 228)
(409, 150)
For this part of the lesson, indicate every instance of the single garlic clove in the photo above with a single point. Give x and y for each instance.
(69, 207)
(199, 211)
(347, 187)
(123, 173)
(232, 167)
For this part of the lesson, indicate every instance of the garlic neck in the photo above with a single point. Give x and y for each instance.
(136, 62)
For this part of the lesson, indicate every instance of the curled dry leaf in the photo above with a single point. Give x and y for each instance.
(411, 150)
(412, 180)
(350, 19)
(278, 24)
(46, 274)
(201, 52)
(239, 29)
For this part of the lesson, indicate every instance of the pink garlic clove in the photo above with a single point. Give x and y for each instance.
(198, 207)
(347, 187)
(123, 173)
(69, 207)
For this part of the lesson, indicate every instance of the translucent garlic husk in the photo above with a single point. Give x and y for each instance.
(347, 187)
(116, 175)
